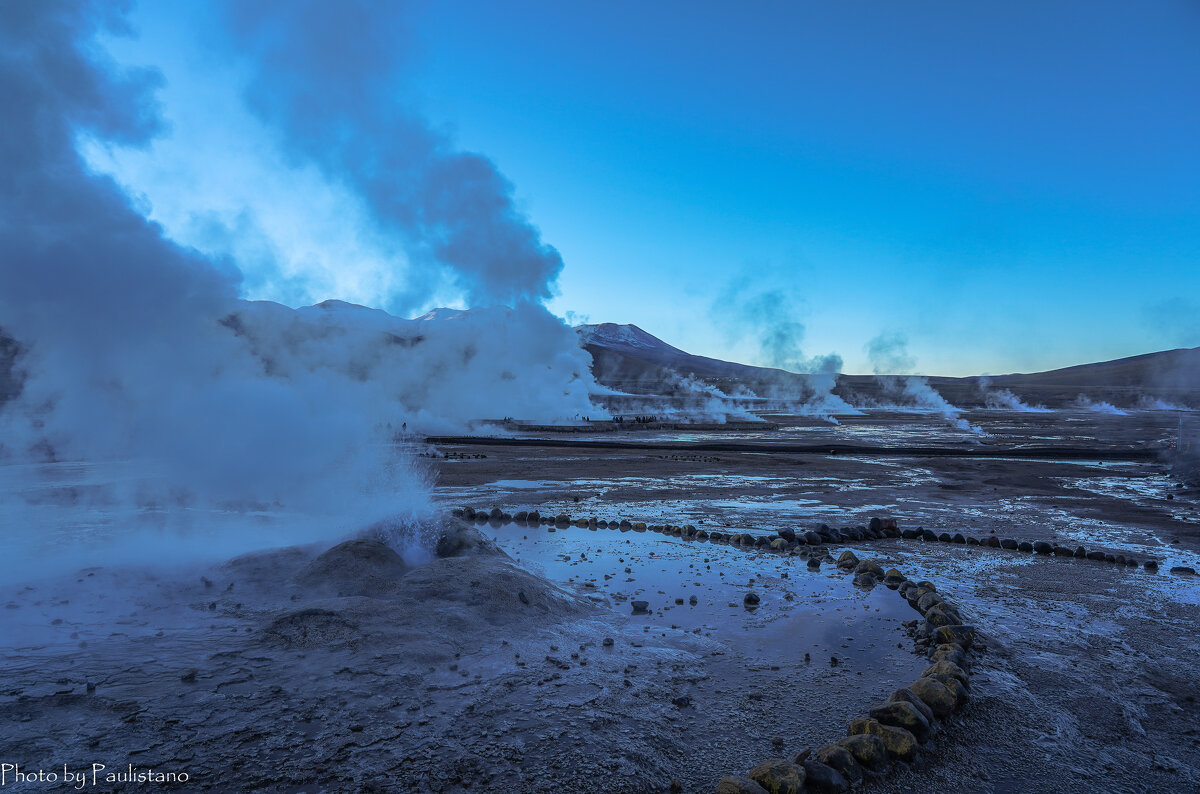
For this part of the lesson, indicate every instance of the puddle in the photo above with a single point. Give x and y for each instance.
(800, 611)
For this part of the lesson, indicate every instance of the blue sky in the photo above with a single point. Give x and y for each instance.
(1012, 187)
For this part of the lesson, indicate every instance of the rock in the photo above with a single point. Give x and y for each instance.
(468, 513)
(682, 702)
(788, 534)
(961, 696)
(868, 750)
(897, 742)
(866, 580)
(534, 517)
(1063, 551)
(779, 776)
(955, 635)
(562, 519)
(847, 560)
(928, 601)
(495, 514)
(950, 653)
(1098, 556)
(906, 695)
(910, 534)
(900, 714)
(941, 701)
(814, 563)
(822, 778)
(947, 668)
(937, 617)
(1042, 547)
(608, 642)
(812, 538)
(1025, 546)
(1183, 570)
(640, 607)
(958, 538)
(736, 784)
(1080, 552)
(871, 567)
(993, 542)
(1151, 566)
(973, 542)
(929, 536)
(945, 537)
(875, 524)
(893, 575)
(1008, 543)
(524, 599)
(751, 600)
(840, 759)
(693, 600)
(779, 544)
(189, 676)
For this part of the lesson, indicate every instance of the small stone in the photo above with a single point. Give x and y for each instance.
(608, 642)
(640, 607)
(683, 701)
(189, 676)
(751, 600)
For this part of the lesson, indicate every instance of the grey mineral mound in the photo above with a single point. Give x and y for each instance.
(360, 567)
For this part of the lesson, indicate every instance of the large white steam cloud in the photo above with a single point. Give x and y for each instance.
(136, 350)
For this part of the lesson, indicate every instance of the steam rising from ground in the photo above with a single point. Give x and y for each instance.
(770, 315)
(1100, 407)
(1005, 400)
(138, 357)
(889, 356)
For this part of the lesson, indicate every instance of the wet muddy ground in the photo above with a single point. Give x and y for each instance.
(493, 670)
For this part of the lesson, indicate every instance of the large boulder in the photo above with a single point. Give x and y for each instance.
(947, 668)
(736, 784)
(898, 742)
(847, 560)
(906, 695)
(779, 776)
(963, 636)
(941, 701)
(871, 567)
(841, 759)
(900, 714)
(823, 779)
(868, 750)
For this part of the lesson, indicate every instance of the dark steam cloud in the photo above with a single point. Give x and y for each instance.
(326, 75)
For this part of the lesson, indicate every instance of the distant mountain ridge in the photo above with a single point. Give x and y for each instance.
(626, 355)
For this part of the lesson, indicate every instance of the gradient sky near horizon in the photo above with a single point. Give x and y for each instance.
(1011, 187)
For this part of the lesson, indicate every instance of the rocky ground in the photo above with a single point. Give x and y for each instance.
(317, 669)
